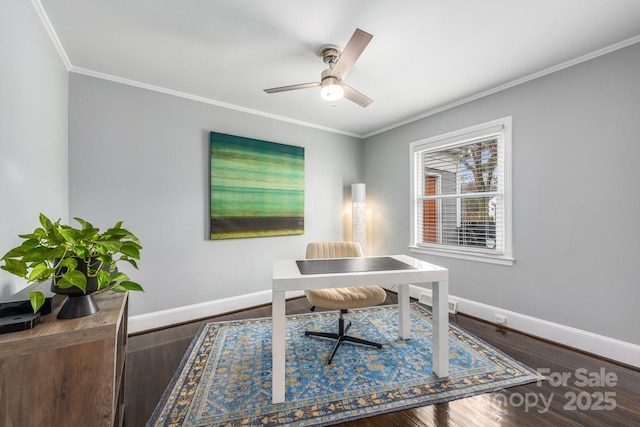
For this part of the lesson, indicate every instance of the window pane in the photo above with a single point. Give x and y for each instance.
(478, 167)
(452, 209)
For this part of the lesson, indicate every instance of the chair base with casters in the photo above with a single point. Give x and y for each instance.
(341, 336)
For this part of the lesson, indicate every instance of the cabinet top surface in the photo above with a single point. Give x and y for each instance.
(83, 329)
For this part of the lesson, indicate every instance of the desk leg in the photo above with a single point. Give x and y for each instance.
(404, 312)
(278, 346)
(440, 344)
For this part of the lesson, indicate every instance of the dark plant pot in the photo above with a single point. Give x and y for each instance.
(79, 304)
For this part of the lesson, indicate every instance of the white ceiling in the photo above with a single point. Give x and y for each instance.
(425, 54)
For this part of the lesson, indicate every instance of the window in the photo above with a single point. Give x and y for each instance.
(461, 198)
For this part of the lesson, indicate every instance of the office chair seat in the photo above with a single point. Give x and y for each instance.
(346, 298)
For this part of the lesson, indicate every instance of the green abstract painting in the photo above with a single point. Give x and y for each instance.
(257, 188)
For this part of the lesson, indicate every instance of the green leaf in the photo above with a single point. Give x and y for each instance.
(120, 233)
(39, 233)
(18, 252)
(85, 224)
(70, 262)
(29, 244)
(30, 236)
(81, 251)
(57, 252)
(16, 267)
(70, 235)
(105, 259)
(61, 283)
(130, 249)
(40, 272)
(37, 299)
(130, 261)
(75, 278)
(133, 244)
(54, 237)
(104, 278)
(110, 245)
(89, 233)
(127, 286)
(39, 254)
(46, 222)
(119, 277)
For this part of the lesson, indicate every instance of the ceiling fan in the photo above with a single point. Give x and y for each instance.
(331, 82)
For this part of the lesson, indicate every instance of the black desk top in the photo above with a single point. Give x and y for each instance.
(351, 265)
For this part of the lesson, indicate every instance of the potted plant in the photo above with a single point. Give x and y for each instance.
(79, 262)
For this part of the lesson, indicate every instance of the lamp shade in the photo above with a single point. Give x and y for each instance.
(358, 193)
(331, 89)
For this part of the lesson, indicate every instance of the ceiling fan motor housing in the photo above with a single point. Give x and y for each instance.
(330, 55)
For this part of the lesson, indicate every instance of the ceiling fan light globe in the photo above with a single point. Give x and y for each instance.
(331, 89)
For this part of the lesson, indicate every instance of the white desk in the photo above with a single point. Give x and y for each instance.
(287, 277)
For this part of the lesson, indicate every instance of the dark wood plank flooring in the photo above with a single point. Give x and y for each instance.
(587, 396)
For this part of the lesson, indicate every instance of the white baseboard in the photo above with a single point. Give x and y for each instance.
(188, 313)
(600, 345)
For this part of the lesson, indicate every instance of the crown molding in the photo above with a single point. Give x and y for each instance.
(52, 33)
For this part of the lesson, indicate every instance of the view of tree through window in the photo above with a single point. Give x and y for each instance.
(478, 172)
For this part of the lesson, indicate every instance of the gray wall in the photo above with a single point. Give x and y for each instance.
(143, 157)
(33, 129)
(576, 196)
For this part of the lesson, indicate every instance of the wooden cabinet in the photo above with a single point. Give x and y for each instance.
(66, 372)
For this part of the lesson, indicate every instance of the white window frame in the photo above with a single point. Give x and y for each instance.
(504, 257)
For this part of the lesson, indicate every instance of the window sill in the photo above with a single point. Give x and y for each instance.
(487, 259)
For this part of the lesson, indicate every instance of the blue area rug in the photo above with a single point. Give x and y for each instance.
(225, 377)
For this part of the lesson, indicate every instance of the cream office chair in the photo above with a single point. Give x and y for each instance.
(341, 298)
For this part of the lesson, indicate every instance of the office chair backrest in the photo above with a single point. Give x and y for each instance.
(333, 250)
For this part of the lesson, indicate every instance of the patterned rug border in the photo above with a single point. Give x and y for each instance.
(354, 414)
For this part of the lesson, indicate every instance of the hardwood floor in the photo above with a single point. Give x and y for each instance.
(581, 390)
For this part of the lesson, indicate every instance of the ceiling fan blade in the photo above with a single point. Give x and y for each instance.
(292, 87)
(354, 96)
(352, 51)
